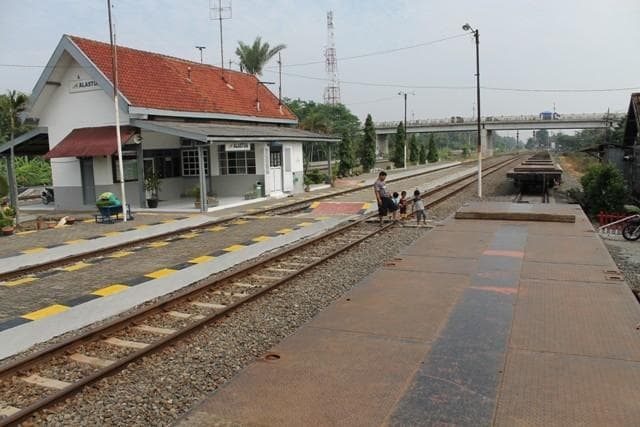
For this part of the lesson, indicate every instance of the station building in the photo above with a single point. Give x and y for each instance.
(170, 110)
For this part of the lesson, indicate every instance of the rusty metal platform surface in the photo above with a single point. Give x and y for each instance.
(519, 212)
(477, 323)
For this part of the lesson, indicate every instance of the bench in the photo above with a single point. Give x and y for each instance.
(111, 214)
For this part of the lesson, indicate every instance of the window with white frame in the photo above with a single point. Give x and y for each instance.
(190, 163)
(237, 162)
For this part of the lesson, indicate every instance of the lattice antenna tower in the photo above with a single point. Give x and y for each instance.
(220, 10)
(332, 91)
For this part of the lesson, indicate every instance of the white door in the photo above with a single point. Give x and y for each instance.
(287, 179)
(275, 163)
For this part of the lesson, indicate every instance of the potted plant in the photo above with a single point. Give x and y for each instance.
(7, 220)
(7, 226)
(152, 187)
(195, 193)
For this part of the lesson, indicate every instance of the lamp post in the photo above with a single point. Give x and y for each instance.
(404, 94)
(476, 35)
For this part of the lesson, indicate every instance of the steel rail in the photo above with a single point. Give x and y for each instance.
(99, 252)
(114, 326)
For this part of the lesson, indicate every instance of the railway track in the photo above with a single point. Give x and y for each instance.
(40, 380)
(291, 208)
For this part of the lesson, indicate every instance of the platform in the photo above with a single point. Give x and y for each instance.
(480, 322)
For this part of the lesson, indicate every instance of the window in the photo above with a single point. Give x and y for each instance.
(276, 159)
(237, 162)
(190, 165)
(129, 164)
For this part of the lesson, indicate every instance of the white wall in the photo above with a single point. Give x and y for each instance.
(214, 163)
(102, 170)
(65, 111)
(260, 158)
(297, 163)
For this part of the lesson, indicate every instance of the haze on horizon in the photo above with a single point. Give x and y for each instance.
(525, 45)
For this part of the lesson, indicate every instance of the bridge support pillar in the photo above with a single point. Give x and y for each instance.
(382, 146)
(486, 142)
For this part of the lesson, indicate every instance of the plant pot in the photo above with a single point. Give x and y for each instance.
(8, 230)
(211, 202)
(152, 203)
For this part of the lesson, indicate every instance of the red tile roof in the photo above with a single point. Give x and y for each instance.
(152, 80)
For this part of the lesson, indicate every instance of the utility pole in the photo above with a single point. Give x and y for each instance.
(476, 34)
(405, 131)
(201, 48)
(404, 95)
(114, 72)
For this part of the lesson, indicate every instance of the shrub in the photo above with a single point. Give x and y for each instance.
(315, 177)
(604, 189)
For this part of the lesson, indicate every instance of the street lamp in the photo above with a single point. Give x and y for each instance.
(401, 93)
(476, 34)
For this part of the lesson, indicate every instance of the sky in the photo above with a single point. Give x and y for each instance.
(533, 45)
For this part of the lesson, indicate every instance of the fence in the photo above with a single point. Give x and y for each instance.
(612, 223)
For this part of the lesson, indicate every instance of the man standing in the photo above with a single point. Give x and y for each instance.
(385, 203)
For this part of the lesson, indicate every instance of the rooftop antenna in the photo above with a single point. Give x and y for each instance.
(332, 91)
(201, 48)
(279, 79)
(220, 9)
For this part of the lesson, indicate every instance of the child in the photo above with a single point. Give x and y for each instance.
(396, 198)
(418, 208)
(403, 205)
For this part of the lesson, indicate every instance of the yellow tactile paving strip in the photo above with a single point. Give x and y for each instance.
(45, 312)
(114, 288)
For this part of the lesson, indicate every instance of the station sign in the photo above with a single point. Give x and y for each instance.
(83, 85)
(237, 146)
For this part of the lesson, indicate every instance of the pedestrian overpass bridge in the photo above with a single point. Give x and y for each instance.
(490, 124)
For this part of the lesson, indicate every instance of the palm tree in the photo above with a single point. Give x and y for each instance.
(253, 58)
(12, 104)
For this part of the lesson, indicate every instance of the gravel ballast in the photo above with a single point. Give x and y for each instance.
(164, 386)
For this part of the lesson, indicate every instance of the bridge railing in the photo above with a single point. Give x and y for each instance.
(454, 120)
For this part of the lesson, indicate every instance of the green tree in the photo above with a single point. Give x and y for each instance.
(11, 105)
(432, 155)
(398, 147)
(422, 156)
(465, 152)
(254, 57)
(345, 154)
(414, 149)
(542, 138)
(323, 118)
(604, 189)
(368, 153)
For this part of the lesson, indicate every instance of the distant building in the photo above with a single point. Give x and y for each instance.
(626, 156)
(168, 107)
(631, 145)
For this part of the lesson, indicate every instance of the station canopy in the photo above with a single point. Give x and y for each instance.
(32, 143)
(214, 132)
(91, 142)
